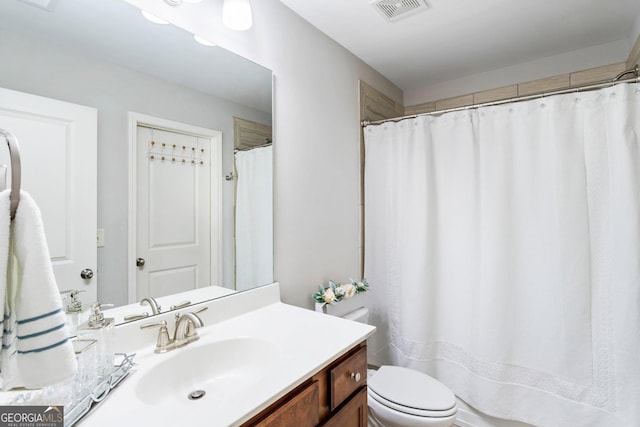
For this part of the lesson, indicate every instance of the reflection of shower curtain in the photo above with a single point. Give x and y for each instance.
(503, 254)
(254, 217)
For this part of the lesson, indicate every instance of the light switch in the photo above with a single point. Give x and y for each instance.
(100, 237)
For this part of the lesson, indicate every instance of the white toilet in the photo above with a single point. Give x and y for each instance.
(402, 397)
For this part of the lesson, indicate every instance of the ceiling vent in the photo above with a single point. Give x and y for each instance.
(394, 10)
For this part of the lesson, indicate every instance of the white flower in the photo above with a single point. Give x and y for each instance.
(329, 296)
(349, 290)
(339, 291)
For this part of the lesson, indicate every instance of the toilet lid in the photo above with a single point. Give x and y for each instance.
(411, 389)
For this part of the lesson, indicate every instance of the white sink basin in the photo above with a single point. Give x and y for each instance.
(213, 371)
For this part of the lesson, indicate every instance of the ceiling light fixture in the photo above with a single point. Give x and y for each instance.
(153, 18)
(236, 14)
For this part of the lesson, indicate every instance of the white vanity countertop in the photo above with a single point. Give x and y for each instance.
(306, 340)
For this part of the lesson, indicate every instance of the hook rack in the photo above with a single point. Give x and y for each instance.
(14, 153)
(175, 153)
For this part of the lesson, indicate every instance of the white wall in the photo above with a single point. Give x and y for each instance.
(582, 59)
(46, 70)
(316, 134)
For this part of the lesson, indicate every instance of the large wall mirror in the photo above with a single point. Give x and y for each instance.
(154, 84)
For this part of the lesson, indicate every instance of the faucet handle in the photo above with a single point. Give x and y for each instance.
(201, 309)
(182, 304)
(163, 342)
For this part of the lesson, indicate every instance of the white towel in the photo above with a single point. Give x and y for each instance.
(36, 350)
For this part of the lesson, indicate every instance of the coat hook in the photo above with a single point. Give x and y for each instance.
(229, 176)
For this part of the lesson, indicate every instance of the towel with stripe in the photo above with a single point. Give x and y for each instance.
(36, 349)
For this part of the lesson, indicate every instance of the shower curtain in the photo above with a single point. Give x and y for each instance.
(502, 247)
(254, 217)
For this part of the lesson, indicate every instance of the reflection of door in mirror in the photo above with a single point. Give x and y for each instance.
(57, 142)
(177, 177)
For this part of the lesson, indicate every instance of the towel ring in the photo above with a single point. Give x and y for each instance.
(14, 153)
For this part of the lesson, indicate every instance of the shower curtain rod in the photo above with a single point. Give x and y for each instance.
(571, 89)
(235, 150)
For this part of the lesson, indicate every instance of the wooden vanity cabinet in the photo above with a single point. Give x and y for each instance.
(334, 397)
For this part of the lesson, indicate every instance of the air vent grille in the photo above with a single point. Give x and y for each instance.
(394, 10)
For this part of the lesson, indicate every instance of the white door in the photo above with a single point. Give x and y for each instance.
(58, 143)
(177, 210)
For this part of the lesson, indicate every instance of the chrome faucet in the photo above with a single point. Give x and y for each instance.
(151, 301)
(186, 325)
(184, 333)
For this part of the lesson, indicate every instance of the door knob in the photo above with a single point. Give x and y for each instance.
(140, 262)
(86, 274)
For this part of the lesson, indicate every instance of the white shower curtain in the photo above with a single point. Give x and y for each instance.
(254, 218)
(502, 247)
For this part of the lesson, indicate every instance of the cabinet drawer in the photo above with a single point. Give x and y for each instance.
(347, 377)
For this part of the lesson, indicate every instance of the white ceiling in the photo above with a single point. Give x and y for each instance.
(116, 32)
(458, 38)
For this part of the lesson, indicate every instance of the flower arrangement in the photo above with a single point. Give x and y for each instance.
(337, 292)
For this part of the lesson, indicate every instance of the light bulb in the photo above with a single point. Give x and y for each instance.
(236, 14)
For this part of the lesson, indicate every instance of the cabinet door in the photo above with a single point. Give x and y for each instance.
(353, 414)
(300, 410)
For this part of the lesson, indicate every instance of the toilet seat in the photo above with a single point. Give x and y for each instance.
(411, 392)
(409, 410)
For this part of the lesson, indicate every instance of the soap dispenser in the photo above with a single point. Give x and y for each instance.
(100, 329)
(74, 311)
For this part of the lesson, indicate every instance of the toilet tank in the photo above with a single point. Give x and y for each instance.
(359, 315)
(353, 308)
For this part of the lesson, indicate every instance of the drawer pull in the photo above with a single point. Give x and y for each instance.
(356, 376)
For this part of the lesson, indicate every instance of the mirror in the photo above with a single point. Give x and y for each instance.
(106, 55)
